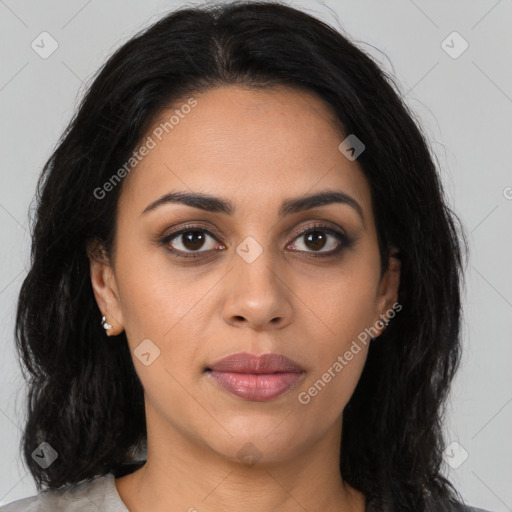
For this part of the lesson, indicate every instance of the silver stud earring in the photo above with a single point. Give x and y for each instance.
(385, 325)
(105, 324)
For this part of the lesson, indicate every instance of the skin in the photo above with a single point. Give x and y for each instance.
(256, 148)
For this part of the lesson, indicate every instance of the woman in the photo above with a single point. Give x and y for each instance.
(244, 271)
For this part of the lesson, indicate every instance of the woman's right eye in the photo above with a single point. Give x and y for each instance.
(189, 240)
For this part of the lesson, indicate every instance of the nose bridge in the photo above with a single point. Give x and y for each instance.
(254, 262)
(257, 292)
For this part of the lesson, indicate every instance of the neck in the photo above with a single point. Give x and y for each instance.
(183, 475)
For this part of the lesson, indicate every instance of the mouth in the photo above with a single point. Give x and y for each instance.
(243, 362)
(255, 387)
(255, 378)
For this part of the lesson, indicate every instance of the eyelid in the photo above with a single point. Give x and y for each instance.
(326, 225)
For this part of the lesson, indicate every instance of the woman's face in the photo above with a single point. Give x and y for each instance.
(245, 279)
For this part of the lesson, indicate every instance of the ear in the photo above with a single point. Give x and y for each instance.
(105, 287)
(387, 295)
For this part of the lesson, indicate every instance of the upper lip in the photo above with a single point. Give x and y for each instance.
(243, 362)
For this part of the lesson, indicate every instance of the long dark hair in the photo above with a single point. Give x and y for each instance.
(85, 398)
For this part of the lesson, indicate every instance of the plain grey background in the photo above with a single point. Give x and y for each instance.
(463, 99)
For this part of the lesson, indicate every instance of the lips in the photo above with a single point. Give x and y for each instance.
(256, 378)
(244, 362)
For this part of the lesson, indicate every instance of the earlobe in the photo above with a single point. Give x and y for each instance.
(104, 287)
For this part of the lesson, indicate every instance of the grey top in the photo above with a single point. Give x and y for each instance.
(99, 495)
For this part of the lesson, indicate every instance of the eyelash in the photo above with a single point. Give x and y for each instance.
(344, 240)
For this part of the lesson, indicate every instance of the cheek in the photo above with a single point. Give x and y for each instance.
(345, 301)
(152, 296)
(161, 305)
(330, 392)
(339, 362)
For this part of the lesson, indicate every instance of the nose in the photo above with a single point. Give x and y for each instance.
(257, 290)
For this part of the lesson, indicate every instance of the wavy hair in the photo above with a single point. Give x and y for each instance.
(84, 396)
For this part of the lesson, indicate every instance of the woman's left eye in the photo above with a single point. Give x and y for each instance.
(319, 238)
(190, 240)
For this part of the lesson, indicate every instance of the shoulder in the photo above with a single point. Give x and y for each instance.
(87, 496)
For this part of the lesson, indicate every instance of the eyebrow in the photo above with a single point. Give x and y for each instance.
(214, 204)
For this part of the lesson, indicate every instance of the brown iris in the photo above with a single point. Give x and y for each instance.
(315, 240)
(193, 240)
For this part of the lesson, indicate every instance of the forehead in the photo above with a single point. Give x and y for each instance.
(248, 145)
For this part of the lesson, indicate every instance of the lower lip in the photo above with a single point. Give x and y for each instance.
(258, 388)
